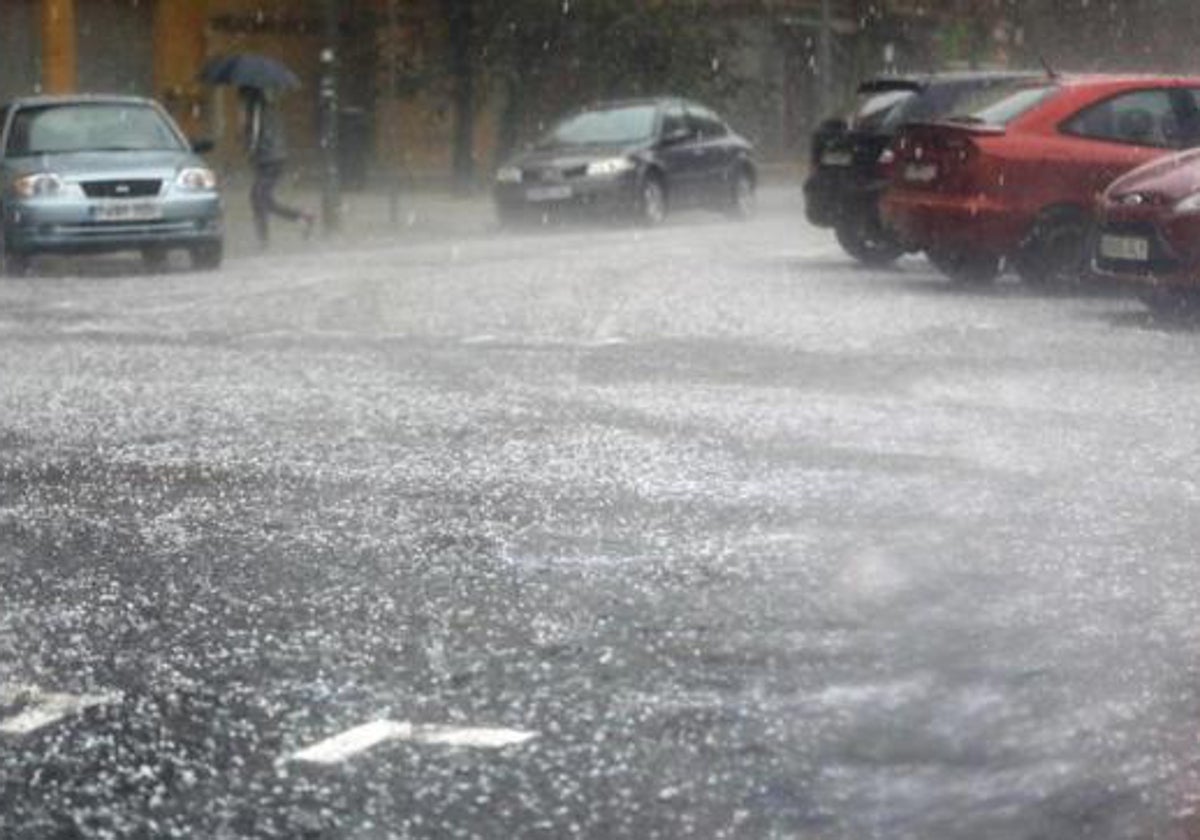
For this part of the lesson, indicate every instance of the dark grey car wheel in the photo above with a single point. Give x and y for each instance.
(652, 201)
(743, 195)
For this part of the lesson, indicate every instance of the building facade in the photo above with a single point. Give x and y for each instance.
(396, 111)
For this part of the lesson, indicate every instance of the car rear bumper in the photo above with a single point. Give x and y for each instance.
(593, 196)
(54, 227)
(928, 221)
(832, 194)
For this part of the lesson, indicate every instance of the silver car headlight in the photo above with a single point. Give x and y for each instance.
(1191, 204)
(39, 185)
(508, 175)
(196, 179)
(610, 167)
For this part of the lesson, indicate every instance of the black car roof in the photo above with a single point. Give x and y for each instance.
(884, 84)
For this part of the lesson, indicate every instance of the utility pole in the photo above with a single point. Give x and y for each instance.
(825, 61)
(331, 187)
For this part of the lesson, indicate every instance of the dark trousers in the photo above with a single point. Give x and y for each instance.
(263, 201)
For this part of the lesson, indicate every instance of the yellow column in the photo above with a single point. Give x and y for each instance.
(179, 51)
(58, 46)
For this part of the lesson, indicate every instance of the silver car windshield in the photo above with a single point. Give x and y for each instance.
(83, 127)
(611, 126)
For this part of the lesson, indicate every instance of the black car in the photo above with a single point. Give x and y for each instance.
(851, 157)
(640, 157)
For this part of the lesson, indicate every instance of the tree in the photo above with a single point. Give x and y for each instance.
(541, 57)
(461, 35)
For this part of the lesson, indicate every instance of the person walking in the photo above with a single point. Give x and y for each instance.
(267, 150)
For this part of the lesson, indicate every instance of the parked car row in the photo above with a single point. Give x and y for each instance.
(1054, 176)
(1057, 177)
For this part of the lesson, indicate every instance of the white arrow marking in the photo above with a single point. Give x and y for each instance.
(353, 741)
(46, 709)
(466, 736)
(350, 743)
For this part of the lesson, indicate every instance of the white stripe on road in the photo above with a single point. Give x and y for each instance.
(45, 709)
(353, 741)
(481, 737)
(350, 743)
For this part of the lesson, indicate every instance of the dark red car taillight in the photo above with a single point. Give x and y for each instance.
(942, 158)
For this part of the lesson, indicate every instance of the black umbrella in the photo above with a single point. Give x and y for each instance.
(248, 70)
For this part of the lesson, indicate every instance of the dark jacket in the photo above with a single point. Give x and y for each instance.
(265, 142)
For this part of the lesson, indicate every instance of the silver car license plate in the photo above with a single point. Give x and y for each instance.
(127, 211)
(555, 193)
(1132, 248)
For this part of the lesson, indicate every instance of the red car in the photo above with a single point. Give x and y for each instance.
(1149, 231)
(1017, 179)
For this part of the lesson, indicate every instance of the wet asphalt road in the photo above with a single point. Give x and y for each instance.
(758, 544)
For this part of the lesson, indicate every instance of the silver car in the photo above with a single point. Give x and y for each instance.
(95, 174)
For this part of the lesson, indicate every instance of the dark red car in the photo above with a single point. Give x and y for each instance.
(1149, 231)
(1018, 179)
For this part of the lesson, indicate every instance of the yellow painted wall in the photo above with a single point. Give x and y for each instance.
(181, 44)
(59, 47)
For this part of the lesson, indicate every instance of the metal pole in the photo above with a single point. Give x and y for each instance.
(393, 41)
(825, 60)
(331, 187)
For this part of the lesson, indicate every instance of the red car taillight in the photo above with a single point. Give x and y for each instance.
(942, 158)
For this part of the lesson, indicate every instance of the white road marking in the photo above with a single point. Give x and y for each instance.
(467, 736)
(350, 743)
(45, 708)
(353, 741)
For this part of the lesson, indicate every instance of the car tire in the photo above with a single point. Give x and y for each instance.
(863, 236)
(1054, 255)
(1171, 303)
(155, 259)
(966, 268)
(652, 201)
(509, 218)
(743, 198)
(208, 256)
(13, 263)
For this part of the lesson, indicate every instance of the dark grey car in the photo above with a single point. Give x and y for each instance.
(94, 174)
(638, 157)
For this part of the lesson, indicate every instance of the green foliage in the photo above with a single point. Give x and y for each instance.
(602, 48)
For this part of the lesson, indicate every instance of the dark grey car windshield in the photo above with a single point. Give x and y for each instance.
(611, 126)
(58, 129)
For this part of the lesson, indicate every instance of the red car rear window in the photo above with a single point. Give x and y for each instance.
(1012, 105)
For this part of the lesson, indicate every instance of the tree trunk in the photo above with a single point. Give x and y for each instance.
(460, 20)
